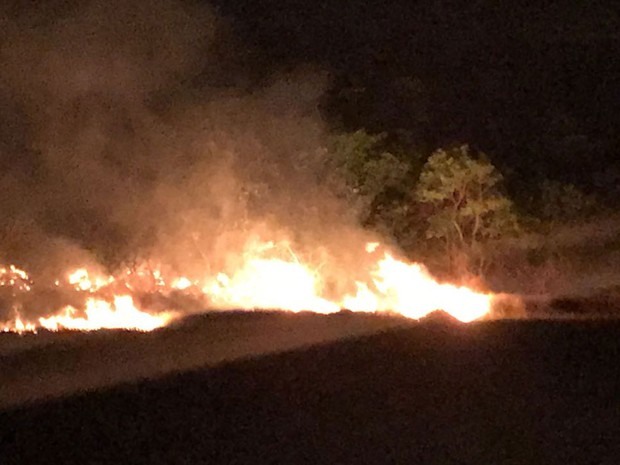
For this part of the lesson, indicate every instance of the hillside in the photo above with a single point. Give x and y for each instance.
(526, 392)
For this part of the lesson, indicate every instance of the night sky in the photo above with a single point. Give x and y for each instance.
(535, 84)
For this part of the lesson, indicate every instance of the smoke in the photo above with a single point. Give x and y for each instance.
(115, 147)
(78, 81)
(576, 260)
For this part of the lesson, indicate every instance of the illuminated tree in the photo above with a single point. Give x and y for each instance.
(364, 172)
(465, 205)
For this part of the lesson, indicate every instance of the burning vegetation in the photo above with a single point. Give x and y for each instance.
(147, 298)
(138, 189)
(153, 165)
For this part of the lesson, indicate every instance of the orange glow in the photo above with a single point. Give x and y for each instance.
(14, 277)
(82, 280)
(19, 326)
(394, 286)
(99, 314)
(409, 290)
(270, 284)
(118, 312)
(181, 283)
(372, 246)
(266, 275)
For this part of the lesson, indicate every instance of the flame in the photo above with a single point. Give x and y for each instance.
(12, 276)
(19, 326)
(119, 312)
(270, 284)
(82, 281)
(266, 275)
(394, 286)
(372, 246)
(181, 283)
(408, 289)
(99, 314)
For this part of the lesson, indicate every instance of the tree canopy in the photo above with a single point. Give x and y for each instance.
(466, 204)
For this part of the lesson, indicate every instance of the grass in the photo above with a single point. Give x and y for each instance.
(501, 392)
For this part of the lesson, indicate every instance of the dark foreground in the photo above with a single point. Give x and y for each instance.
(44, 365)
(521, 392)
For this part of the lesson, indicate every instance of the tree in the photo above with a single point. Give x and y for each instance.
(564, 203)
(366, 174)
(465, 206)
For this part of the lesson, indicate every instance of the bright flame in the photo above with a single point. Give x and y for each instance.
(101, 314)
(19, 326)
(394, 286)
(268, 276)
(409, 290)
(119, 312)
(372, 246)
(14, 277)
(181, 283)
(82, 281)
(270, 284)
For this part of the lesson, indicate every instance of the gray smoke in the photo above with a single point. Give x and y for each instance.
(116, 147)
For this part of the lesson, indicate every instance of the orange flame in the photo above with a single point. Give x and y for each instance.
(82, 280)
(19, 326)
(99, 314)
(409, 290)
(270, 284)
(257, 282)
(395, 286)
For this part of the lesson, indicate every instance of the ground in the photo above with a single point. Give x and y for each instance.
(438, 392)
(38, 366)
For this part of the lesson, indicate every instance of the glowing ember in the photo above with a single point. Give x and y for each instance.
(262, 279)
(181, 283)
(14, 277)
(372, 246)
(81, 279)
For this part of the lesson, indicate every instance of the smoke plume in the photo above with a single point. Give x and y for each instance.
(117, 144)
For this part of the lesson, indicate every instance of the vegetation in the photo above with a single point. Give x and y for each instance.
(452, 206)
(466, 206)
(375, 180)
(564, 202)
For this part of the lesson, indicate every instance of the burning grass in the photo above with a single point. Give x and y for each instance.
(265, 275)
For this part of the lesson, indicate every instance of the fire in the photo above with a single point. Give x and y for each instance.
(181, 283)
(270, 284)
(81, 279)
(19, 326)
(372, 246)
(12, 276)
(99, 314)
(266, 275)
(408, 289)
(394, 286)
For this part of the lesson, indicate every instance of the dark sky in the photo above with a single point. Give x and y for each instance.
(537, 84)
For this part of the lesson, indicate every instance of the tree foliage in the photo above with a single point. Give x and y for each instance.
(561, 203)
(465, 204)
(365, 171)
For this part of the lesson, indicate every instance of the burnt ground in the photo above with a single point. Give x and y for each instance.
(492, 393)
